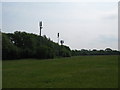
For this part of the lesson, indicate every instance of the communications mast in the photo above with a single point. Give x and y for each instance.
(40, 24)
(58, 37)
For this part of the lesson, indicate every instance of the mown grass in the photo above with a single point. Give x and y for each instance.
(73, 72)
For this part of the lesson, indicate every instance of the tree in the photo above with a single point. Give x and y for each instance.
(108, 49)
(27, 45)
(9, 51)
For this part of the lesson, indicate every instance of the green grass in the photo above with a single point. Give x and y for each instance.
(73, 72)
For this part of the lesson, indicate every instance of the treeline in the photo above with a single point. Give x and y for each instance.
(19, 45)
(107, 51)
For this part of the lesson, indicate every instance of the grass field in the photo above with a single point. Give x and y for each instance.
(73, 72)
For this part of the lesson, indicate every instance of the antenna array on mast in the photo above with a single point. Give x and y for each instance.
(40, 24)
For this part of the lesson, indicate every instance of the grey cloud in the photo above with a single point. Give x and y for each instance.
(110, 17)
(107, 39)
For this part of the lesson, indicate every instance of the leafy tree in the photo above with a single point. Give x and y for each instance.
(27, 45)
(9, 51)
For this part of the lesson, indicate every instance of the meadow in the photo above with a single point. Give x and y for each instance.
(71, 72)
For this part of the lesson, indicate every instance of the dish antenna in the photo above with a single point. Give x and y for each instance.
(61, 42)
(40, 24)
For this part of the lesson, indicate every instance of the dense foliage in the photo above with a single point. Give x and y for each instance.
(107, 51)
(20, 45)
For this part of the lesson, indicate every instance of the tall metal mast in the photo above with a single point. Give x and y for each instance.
(58, 37)
(40, 24)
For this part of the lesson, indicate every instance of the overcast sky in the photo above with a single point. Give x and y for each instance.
(82, 25)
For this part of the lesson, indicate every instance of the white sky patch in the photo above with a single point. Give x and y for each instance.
(0, 16)
(59, 0)
(80, 24)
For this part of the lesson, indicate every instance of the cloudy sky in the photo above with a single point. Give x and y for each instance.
(88, 25)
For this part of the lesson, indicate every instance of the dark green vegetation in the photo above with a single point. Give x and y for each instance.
(24, 45)
(71, 72)
(107, 51)
(19, 45)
